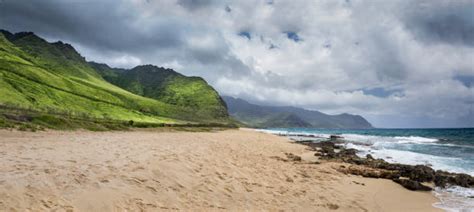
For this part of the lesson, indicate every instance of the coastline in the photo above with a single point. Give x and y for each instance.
(148, 170)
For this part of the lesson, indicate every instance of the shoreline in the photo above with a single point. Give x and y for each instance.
(454, 189)
(146, 170)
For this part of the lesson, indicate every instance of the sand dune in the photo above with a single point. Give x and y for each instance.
(208, 171)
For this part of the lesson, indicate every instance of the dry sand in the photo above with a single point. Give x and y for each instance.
(208, 171)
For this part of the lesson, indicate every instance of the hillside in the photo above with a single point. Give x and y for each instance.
(271, 116)
(54, 78)
(168, 86)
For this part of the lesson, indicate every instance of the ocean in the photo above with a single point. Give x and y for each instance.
(443, 149)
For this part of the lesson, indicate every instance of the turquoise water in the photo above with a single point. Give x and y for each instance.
(443, 149)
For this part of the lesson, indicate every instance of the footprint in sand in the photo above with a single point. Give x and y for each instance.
(136, 180)
(151, 188)
(332, 206)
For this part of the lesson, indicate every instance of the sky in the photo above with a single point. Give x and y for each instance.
(398, 63)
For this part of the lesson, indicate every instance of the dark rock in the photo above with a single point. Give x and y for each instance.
(355, 160)
(327, 144)
(369, 172)
(292, 157)
(444, 179)
(419, 173)
(347, 153)
(379, 168)
(412, 185)
(463, 180)
(440, 180)
(369, 157)
(335, 137)
(389, 175)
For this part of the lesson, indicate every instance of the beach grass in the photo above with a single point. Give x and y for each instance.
(30, 120)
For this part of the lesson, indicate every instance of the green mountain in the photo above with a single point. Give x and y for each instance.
(271, 116)
(54, 78)
(167, 86)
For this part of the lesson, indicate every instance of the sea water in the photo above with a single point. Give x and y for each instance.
(443, 149)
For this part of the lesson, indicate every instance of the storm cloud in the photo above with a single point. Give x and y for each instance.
(398, 63)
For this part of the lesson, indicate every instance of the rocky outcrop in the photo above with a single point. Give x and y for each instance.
(409, 176)
(412, 185)
(443, 178)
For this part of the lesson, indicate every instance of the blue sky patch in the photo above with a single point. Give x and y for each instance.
(379, 92)
(245, 34)
(467, 81)
(293, 36)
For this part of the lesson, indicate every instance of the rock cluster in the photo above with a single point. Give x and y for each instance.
(409, 176)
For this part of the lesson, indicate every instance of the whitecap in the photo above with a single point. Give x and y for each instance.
(455, 198)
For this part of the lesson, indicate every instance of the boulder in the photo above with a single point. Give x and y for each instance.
(369, 157)
(335, 137)
(412, 185)
(444, 179)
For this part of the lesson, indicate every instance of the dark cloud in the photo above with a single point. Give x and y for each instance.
(380, 92)
(451, 29)
(195, 4)
(119, 28)
(453, 23)
(228, 9)
(87, 23)
(466, 80)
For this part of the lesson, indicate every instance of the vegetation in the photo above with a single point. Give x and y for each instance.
(53, 79)
(167, 86)
(30, 120)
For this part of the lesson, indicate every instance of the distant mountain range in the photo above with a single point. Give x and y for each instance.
(54, 78)
(273, 116)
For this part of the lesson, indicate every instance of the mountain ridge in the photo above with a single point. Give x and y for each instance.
(267, 116)
(166, 85)
(52, 76)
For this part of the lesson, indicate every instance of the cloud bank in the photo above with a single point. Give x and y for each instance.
(398, 63)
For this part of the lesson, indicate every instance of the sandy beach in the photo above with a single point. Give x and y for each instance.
(232, 170)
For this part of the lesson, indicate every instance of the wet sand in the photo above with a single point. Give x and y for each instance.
(148, 170)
